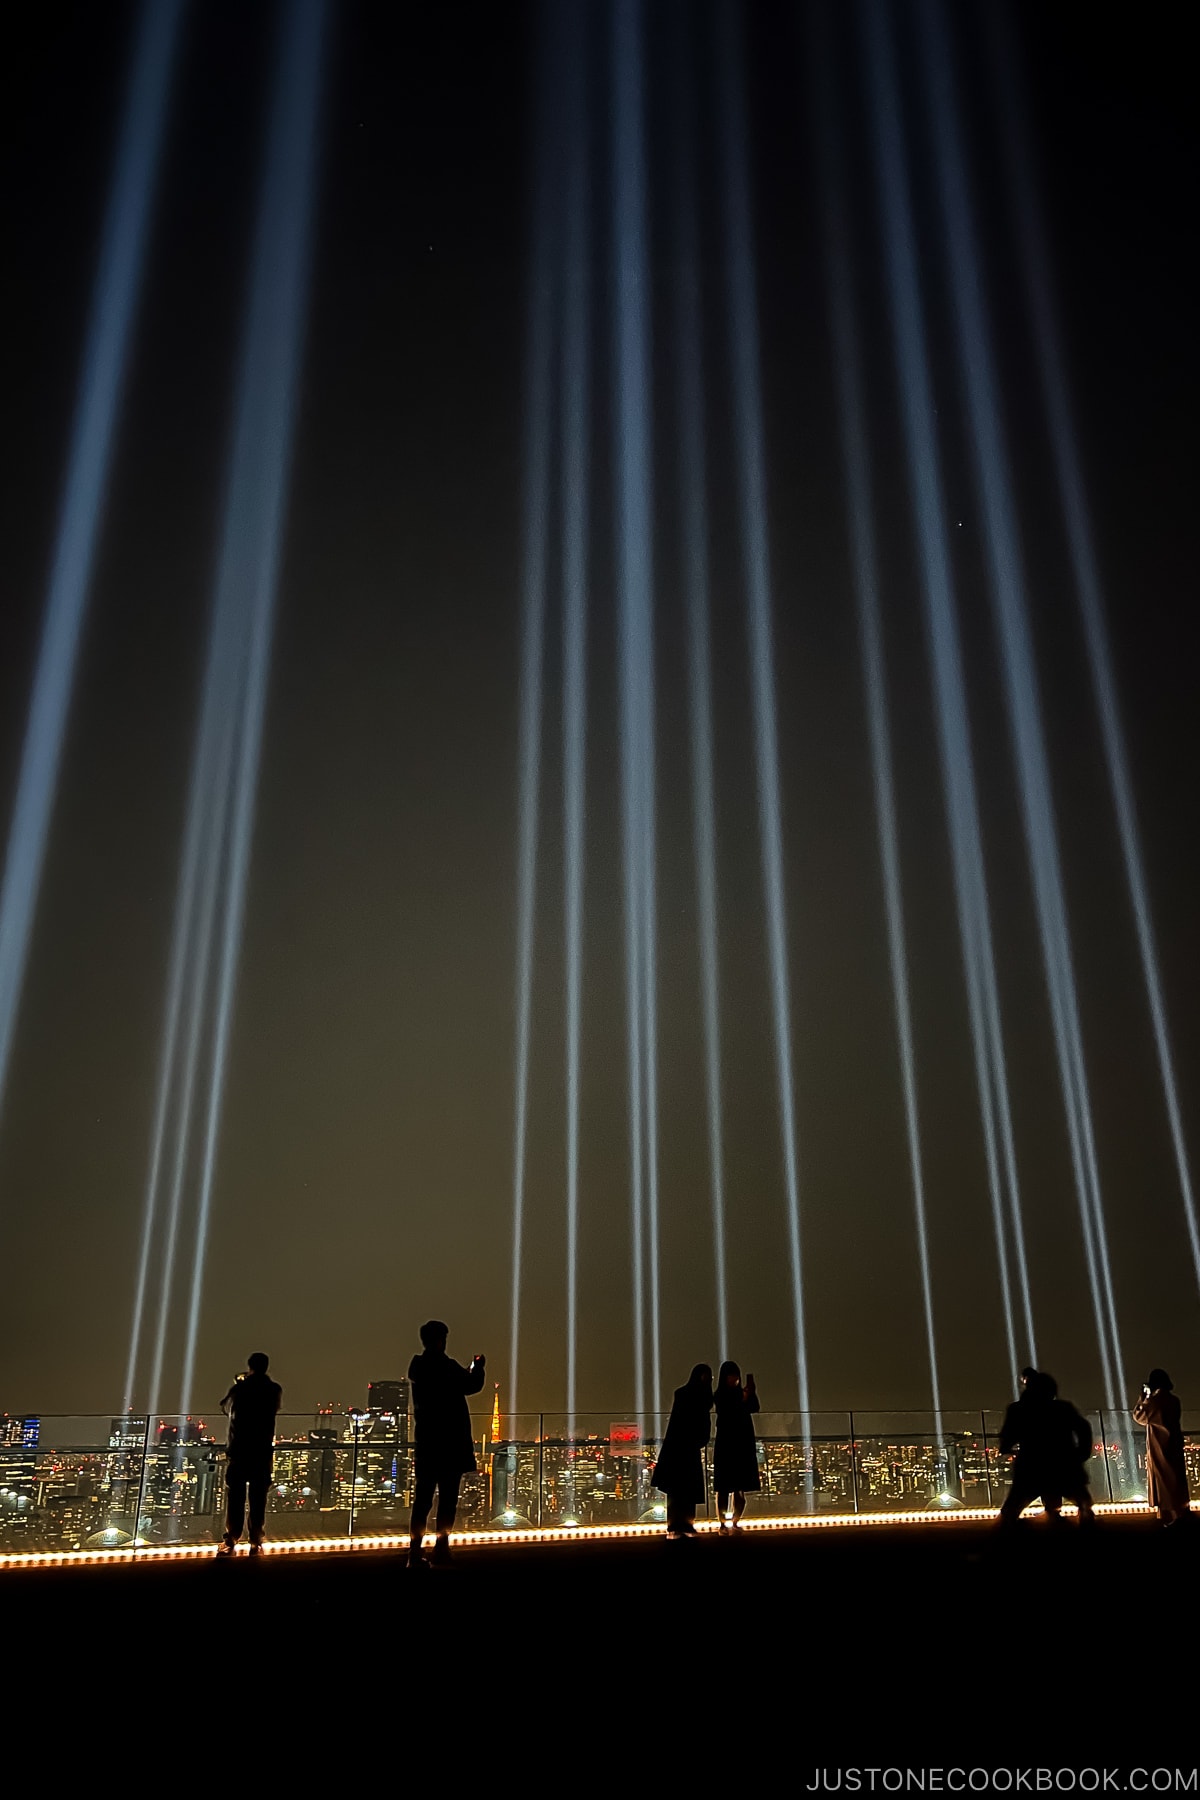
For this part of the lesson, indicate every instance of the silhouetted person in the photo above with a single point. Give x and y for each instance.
(1068, 1450)
(251, 1405)
(679, 1471)
(1166, 1472)
(445, 1448)
(735, 1454)
(1031, 1434)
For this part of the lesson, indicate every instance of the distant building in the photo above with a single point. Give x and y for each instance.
(390, 1400)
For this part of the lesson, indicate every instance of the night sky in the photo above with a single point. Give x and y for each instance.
(365, 1167)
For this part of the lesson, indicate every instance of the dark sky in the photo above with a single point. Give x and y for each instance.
(365, 1170)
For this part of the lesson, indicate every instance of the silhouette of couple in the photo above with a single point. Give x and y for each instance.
(1050, 1443)
(679, 1471)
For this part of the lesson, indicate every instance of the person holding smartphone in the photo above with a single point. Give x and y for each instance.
(1166, 1472)
(445, 1447)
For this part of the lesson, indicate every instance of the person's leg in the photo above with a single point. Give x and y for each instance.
(1015, 1502)
(259, 1485)
(723, 1500)
(739, 1505)
(235, 1503)
(675, 1516)
(447, 1510)
(422, 1501)
(447, 1506)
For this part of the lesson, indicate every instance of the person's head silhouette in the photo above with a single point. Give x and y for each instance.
(730, 1375)
(259, 1363)
(434, 1334)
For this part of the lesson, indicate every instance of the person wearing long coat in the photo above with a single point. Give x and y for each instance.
(445, 1445)
(735, 1453)
(1166, 1472)
(679, 1471)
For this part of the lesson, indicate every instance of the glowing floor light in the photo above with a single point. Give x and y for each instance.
(844, 327)
(93, 433)
(215, 862)
(966, 843)
(751, 494)
(694, 520)
(1006, 578)
(634, 581)
(1035, 265)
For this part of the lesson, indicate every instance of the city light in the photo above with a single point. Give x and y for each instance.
(93, 434)
(752, 506)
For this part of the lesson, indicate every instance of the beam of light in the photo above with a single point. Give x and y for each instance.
(576, 418)
(954, 742)
(214, 863)
(256, 503)
(691, 453)
(102, 380)
(187, 986)
(539, 356)
(1007, 583)
(634, 579)
(844, 326)
(752, 506)
(1035, 264)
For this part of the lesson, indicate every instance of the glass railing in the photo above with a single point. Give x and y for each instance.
(70, 1484)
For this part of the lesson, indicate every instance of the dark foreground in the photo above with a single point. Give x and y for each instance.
(793, 1652)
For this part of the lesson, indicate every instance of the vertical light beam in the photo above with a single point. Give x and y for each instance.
(256, 503)
(102, 380)
(694, 524)
(539, 354)
(954, 741)
(1035, 265)
(576, 426)
(1006, 577)
(856, 468)
(752, 505)
(636, 664)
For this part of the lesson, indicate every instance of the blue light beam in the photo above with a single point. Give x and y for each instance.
(102, 381)
(1047, 337)
(752, 505)
(576, 424)
(634, 580)
(857, 477)
(248, 576)
(539, 360)
(954, 742)
(1007, 583)
(694, 520)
